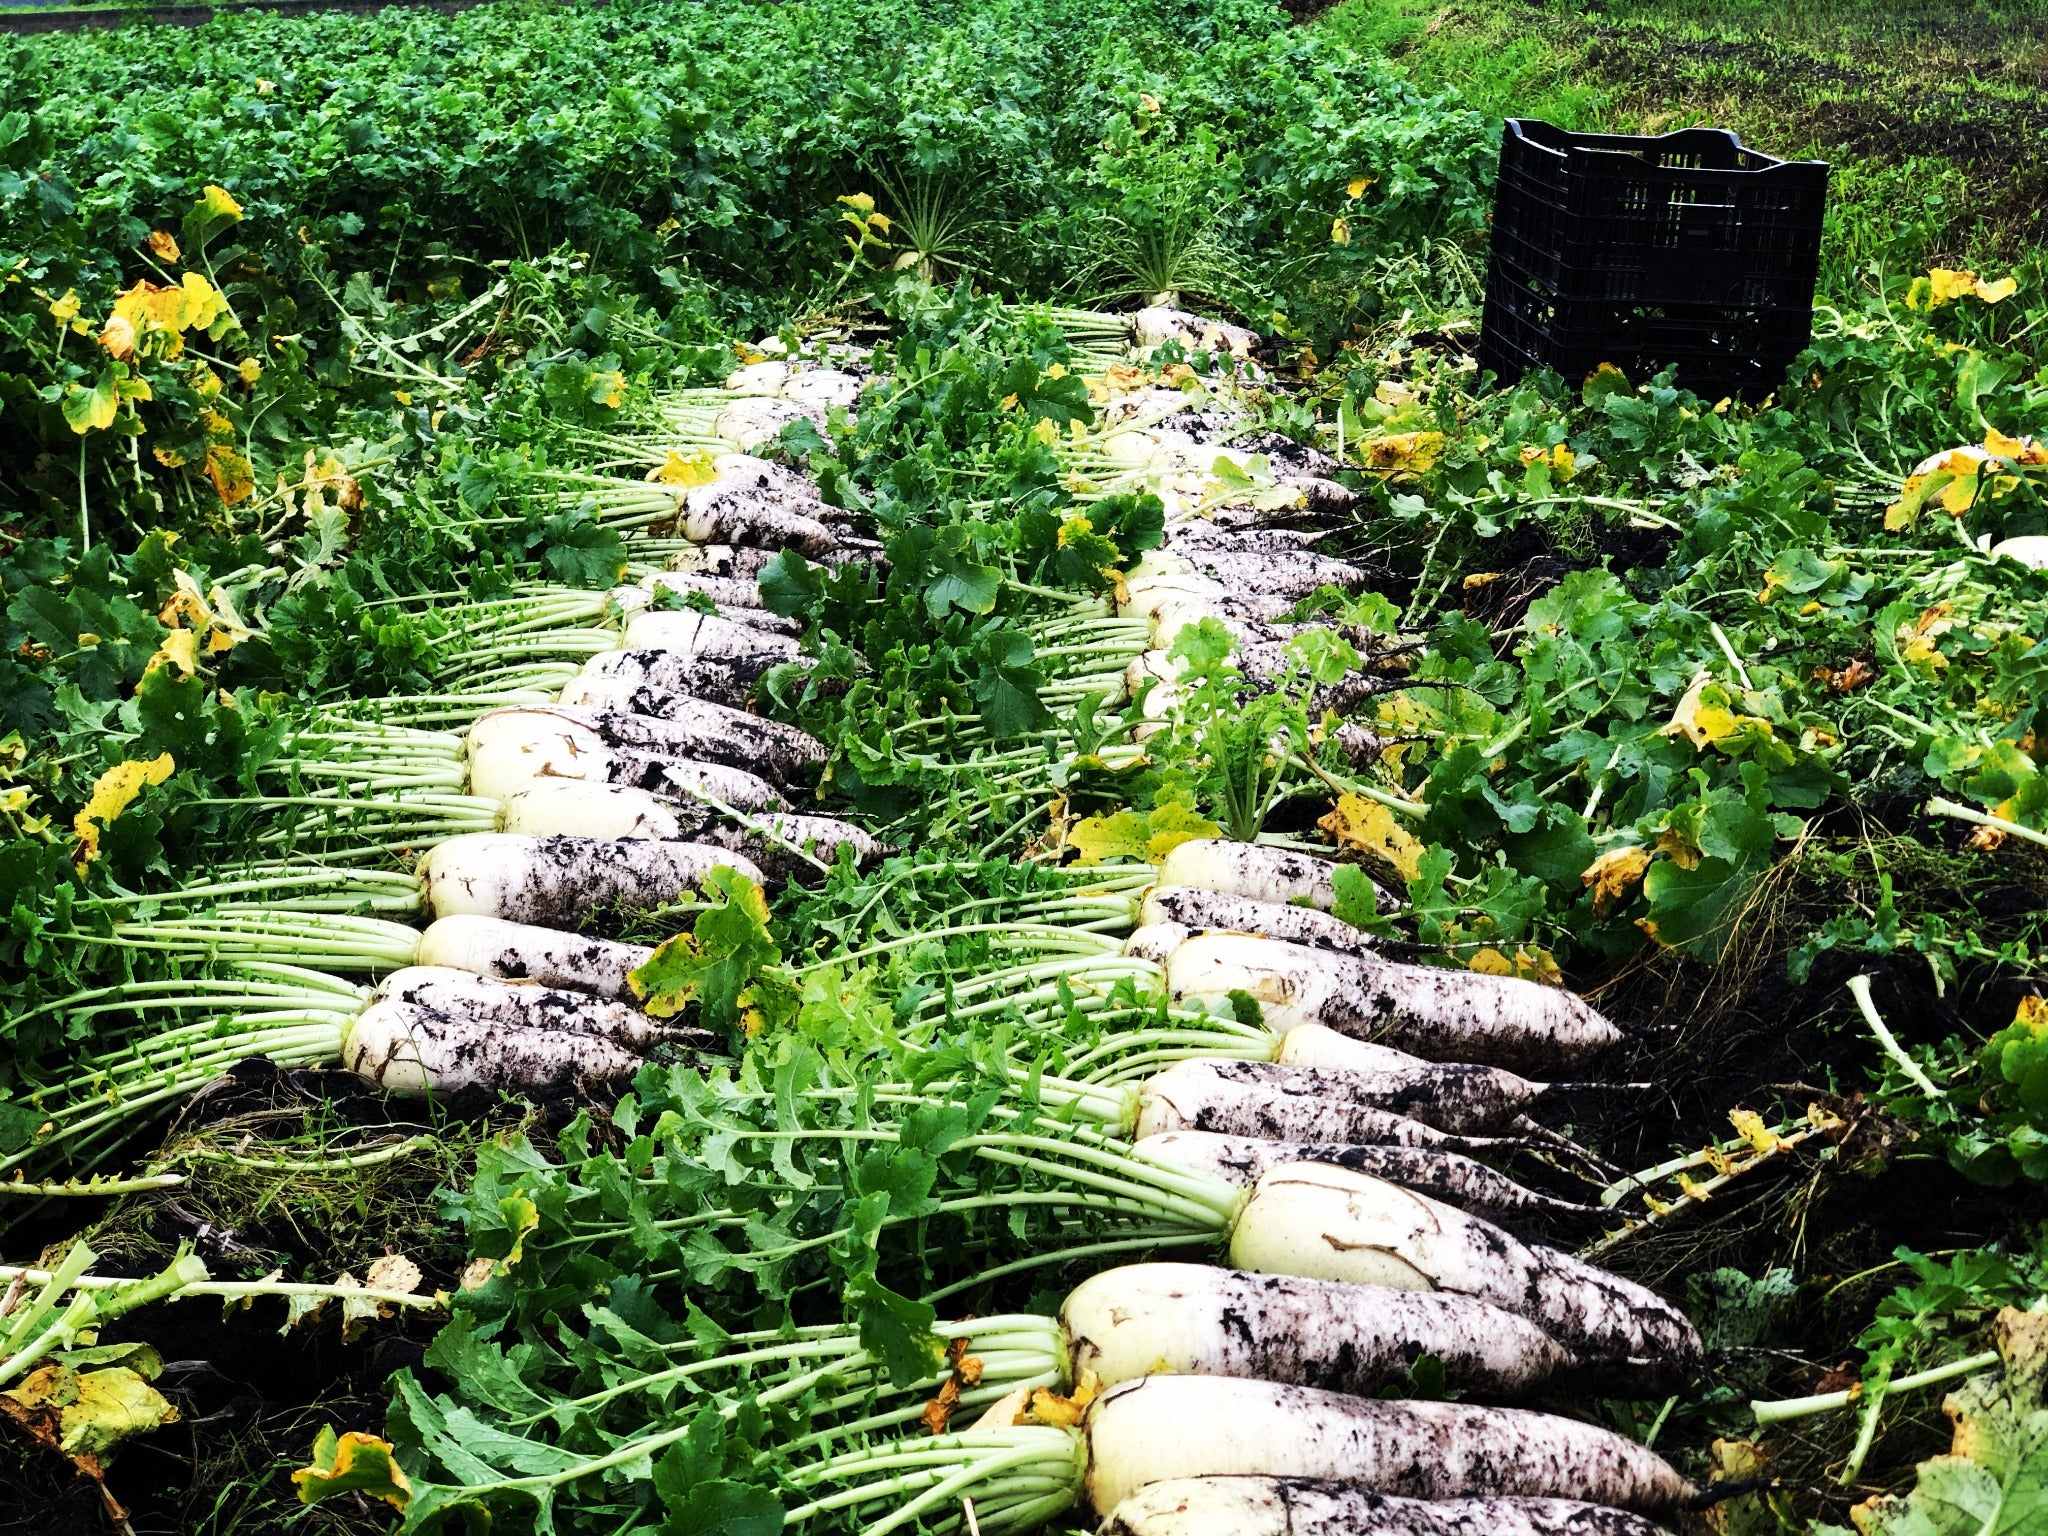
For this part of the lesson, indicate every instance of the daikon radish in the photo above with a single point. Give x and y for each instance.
(1196, 1319)
(1438, 1014)
(1438, 1172)
(407, 1049)
(555, 882)
(1301, 1506)
(1317, 1220)
(1220, 911)
(679, 727)
(458, 994)
(1248, 1098)
(1163, 1427)
(490, 946)
(1251, 869)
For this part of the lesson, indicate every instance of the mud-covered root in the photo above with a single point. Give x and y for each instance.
(457, 994)
(737, 561)
(692, 729)
(754, 420)
(789, 847)
(1158, 324)
(1147, 597)
(1249, 1098)
(1434, 1013)
(1450, 1095)
(704, 636)
(409, 1049)
(729, 594)
(1278, 572)
(1251, 869)
(727, 680)
(1457, 1180)
(724, 512)
(1162, 1427)
(511, 749)
(1196, 1319)
(490, 946)
(1154, 941)
(1327, 1222)
(1207, 911)
(556, 882)
(572, 808)
(1296, 1506)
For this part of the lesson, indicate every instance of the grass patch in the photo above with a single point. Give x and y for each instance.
(1932, 113)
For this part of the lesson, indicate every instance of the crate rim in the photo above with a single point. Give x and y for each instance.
(1613, 144)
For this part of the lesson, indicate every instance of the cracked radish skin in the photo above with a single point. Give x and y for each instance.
(1326, 1222)
(1437, 1014)
(1196, 1319)
(1163, 1427)
(1302, 1506)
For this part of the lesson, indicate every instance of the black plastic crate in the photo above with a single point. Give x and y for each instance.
(1686, 248)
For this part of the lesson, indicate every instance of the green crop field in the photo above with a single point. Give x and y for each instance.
(714, 715)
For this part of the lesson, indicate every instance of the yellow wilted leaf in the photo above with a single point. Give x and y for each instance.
(249, 369)
(1706, 717)
(608, 389)
(1405, 452)
(2032, 1013)
(117, 338)
(180, 650)
(1991, 293)
(1538, 966)
(1369, 827)
(1613, 875)
(684, 470)
(217, 203)
(85, 1414)
(1678, 848)
(232, 476)
(112, 793)
(1046, 432)
(1960, 494)
(352, 1463)
(163, 246)
(65, 310)
(1749, 1125)
(1941, 285)
(1355, 187)
(1145, 836)
(859, 202)
(1340, 231)
(1048, 1407)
